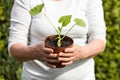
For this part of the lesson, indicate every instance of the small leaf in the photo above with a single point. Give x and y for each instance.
(65, 20)
(79, 22)
(37, 9)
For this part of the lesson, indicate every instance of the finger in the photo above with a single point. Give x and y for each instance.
(65, 59)
(48, 50)
(69, 50)
(67, 63)
(50, 65)
(51, 60)
(51, 55)
(61, 54)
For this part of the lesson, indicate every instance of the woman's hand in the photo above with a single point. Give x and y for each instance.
(70, 55)
(78, 52)
(46, 55)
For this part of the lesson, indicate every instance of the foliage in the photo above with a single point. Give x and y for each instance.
(107, 64)
(9, 68)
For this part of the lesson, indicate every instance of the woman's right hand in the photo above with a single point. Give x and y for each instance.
(45, 55)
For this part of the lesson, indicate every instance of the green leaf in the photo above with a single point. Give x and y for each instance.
(79, 22)
(65, 20)
(37, 9)
(2, 44)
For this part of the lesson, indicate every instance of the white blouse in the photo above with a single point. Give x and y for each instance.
(31, 30)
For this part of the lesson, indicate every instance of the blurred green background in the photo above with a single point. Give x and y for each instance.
(107, 65)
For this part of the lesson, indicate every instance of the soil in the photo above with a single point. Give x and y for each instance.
(64, 43)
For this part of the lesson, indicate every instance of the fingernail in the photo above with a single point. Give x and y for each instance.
(60, 53)
(65, 50)
(59, 59)
(51, 50)
(54, 66)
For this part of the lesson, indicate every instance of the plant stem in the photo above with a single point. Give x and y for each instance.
(59, 37)
(50, 22)
(68, 31)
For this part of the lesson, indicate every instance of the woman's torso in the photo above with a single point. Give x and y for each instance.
(41, 28)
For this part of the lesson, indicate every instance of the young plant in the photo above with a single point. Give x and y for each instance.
(64, 20)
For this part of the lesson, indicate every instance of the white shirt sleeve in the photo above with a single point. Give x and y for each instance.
(97, 27)
(20, 23)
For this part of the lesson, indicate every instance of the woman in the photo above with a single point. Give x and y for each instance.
(27, 34)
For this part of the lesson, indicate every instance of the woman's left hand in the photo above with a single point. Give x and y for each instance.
(70, 55)
(78, 52)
